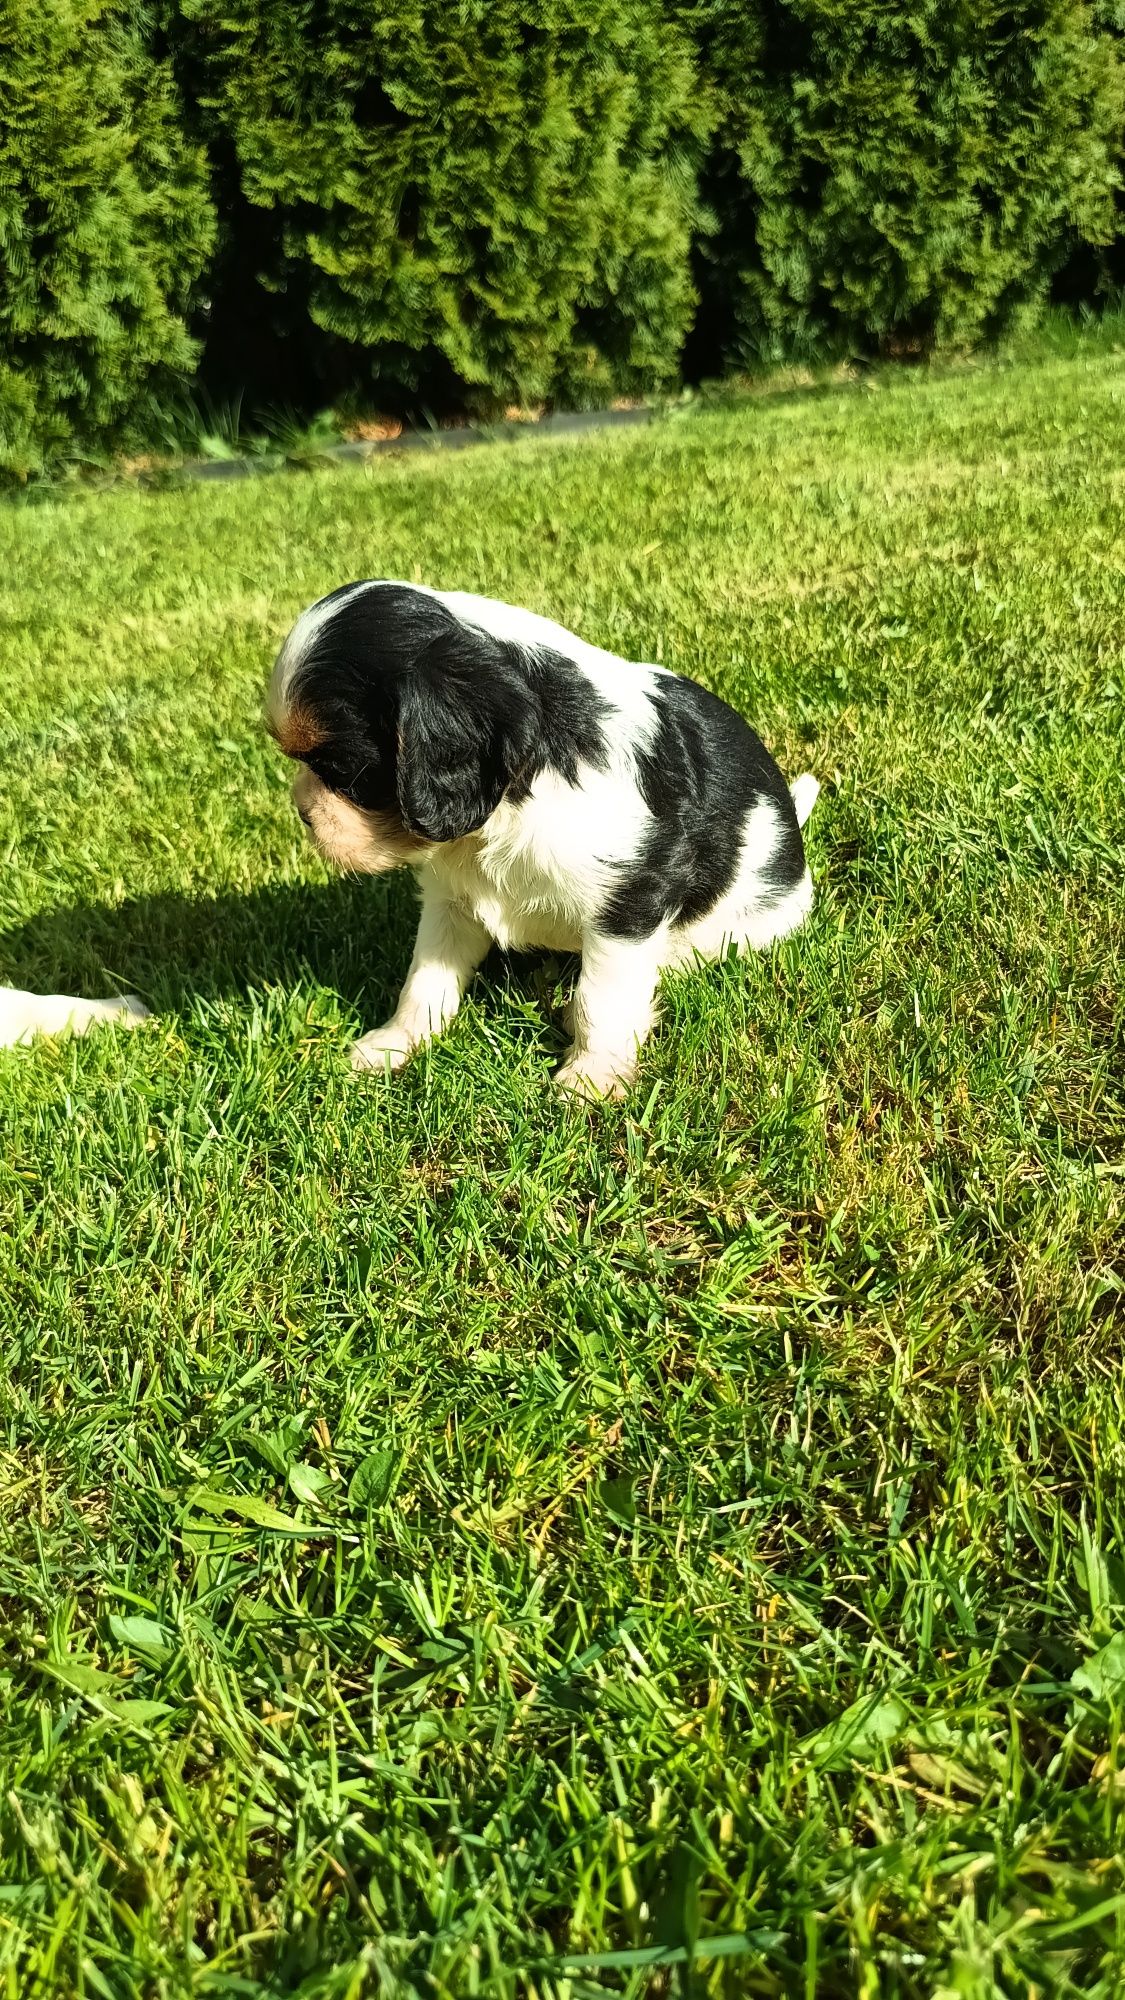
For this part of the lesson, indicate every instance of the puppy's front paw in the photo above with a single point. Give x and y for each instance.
(386, 1048)
(594, 1077)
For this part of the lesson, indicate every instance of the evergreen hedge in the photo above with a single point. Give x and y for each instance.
(105, 225)
(419, 203)
(501, 193)
(1093, 272)
(899, 174)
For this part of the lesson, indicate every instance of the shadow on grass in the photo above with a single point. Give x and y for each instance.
(173, 948)
(351, 936)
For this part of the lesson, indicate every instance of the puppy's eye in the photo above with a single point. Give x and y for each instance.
(338, 775)
(326, 769)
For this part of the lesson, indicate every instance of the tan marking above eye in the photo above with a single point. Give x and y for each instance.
(297, 733)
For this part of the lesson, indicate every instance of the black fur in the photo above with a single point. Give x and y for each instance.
(430, 718)
(705, 771)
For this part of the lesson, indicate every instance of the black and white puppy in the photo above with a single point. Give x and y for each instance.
(548, 793)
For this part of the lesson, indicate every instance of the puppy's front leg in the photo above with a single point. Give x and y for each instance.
(447, 951)
(614, 1007)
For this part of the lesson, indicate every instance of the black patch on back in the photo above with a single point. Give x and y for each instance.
(430, 717)
(705, 771)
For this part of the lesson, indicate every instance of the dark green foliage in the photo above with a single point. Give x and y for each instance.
(502, 195)
(900, 175)
(1094, 273)
(104, 224)
(425, 208)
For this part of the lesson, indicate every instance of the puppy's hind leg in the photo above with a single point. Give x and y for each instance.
(614, 1008)
(447, 951)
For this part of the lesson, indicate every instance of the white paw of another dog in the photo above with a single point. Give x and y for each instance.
(386, 1048)
(127, 1011)
(594, 1077)
(25, 1015)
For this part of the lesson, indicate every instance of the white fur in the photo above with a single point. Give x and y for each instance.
(536, 870)
(806, 791)
(614, 1008)
(297, 643)
(25, 1015)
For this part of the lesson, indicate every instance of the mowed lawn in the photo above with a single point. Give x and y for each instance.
(457, 1543)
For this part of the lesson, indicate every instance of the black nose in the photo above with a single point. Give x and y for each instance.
(303, 815)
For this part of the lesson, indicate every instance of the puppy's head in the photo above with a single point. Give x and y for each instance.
(407, 724)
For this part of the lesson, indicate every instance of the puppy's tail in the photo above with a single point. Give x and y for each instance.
(805, 790)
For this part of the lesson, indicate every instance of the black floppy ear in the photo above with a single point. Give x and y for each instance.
(454, 739)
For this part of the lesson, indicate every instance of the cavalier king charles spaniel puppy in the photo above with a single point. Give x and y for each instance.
(548, 794)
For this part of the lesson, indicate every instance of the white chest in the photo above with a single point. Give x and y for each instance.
(525, 929)
(531, 885)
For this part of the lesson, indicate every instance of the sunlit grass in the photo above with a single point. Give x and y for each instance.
(451, 1543)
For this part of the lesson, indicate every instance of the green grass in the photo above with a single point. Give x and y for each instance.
(454, 1543)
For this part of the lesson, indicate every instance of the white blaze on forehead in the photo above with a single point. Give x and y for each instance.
(295, 650)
